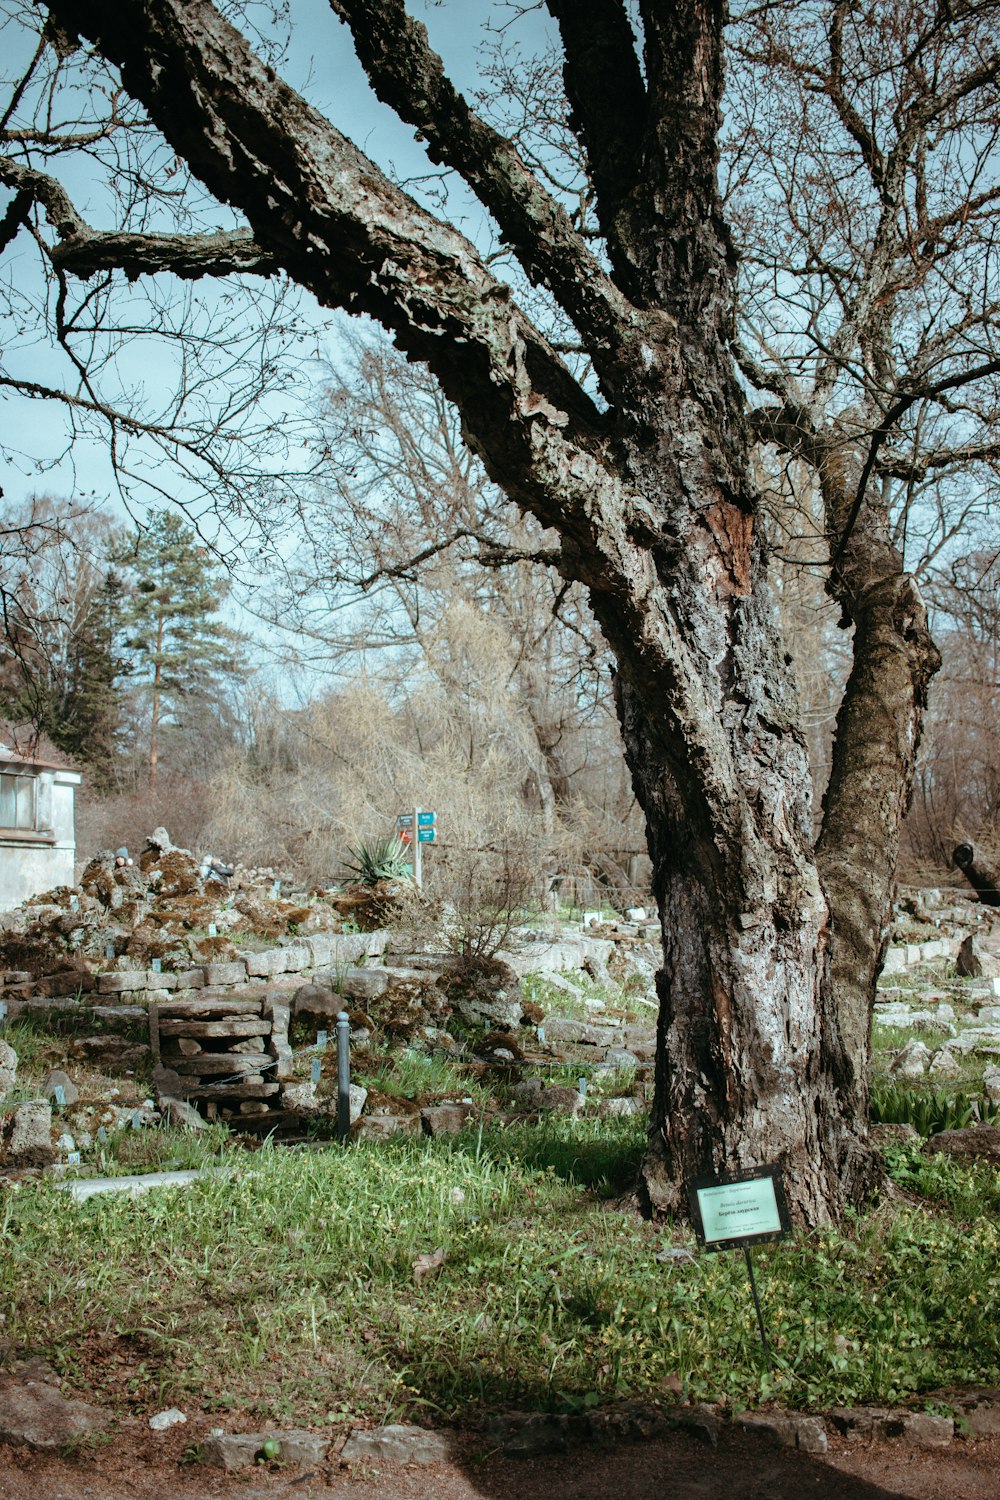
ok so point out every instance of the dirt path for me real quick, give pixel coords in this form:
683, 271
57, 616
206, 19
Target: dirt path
138, 1465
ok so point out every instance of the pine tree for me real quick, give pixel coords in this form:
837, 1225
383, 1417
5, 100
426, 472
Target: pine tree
90, 724
180, 649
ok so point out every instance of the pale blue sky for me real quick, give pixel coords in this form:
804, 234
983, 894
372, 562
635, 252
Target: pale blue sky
323, 66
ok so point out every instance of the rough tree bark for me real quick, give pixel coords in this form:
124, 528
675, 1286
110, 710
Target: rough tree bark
651, 496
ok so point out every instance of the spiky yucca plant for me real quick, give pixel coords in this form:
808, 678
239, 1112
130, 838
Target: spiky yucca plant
373, 860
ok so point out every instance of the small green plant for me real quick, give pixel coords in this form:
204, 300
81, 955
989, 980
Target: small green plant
928, 1112
373, 860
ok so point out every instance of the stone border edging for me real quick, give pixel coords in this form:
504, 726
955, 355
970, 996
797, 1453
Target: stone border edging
542, 1434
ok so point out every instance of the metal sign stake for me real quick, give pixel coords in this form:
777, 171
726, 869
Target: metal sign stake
760, 1316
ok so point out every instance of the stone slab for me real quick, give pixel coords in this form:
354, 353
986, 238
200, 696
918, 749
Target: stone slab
382, 1127
233, 1451
251, 1088
396, 1444
233, 1026
204, 1064
225, 973
352, 983
265, 963
35, 1414
207, 1008
445, 1119
70, 982
134, 1186
123, 983
190, 979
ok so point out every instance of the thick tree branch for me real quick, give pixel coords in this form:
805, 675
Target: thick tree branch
85, 251
409, 76
607, 98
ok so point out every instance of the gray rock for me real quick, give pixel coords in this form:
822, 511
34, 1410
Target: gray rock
625, 1422
298, 956
981, 1143
233, 1451
790, 1429
358, 1098
975, 961
857, 1423
561, 1101
179, 1112
382, 1127
363, 984
919, 1429
31, 1135
57, 1079
597, 969
991, 1084
354, 947
265, 964
318, 1002
912, 1061
565, 1029
893, 1135
564, 985
34, 1413
161, 1420
301, 1097
979, 1411
225, 973
485, 990
445, 1119
398, 1444
8, 1069
622, 1108
932, 1022
121, 983
566, 953
110, 1051
944, 1064
619, 1057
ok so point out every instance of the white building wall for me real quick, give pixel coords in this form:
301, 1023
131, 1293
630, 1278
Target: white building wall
38, 860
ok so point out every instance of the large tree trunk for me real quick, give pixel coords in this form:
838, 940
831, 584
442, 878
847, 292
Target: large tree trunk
751, 1063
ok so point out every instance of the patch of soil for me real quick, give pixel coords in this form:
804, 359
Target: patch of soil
136, 1464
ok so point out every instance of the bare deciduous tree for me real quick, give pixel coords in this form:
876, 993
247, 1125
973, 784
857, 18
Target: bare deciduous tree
642, 467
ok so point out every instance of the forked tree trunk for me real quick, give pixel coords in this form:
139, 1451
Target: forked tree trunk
751, 1065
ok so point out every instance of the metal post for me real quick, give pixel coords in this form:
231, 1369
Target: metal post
343, 1075
756, 1303
418, 851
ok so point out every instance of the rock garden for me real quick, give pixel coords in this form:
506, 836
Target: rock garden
473, 1249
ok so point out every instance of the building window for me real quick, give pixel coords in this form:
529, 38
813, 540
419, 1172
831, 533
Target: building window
18, 801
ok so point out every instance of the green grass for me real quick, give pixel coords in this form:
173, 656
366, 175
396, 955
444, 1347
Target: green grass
618, 999
285, 1290
415, 1075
